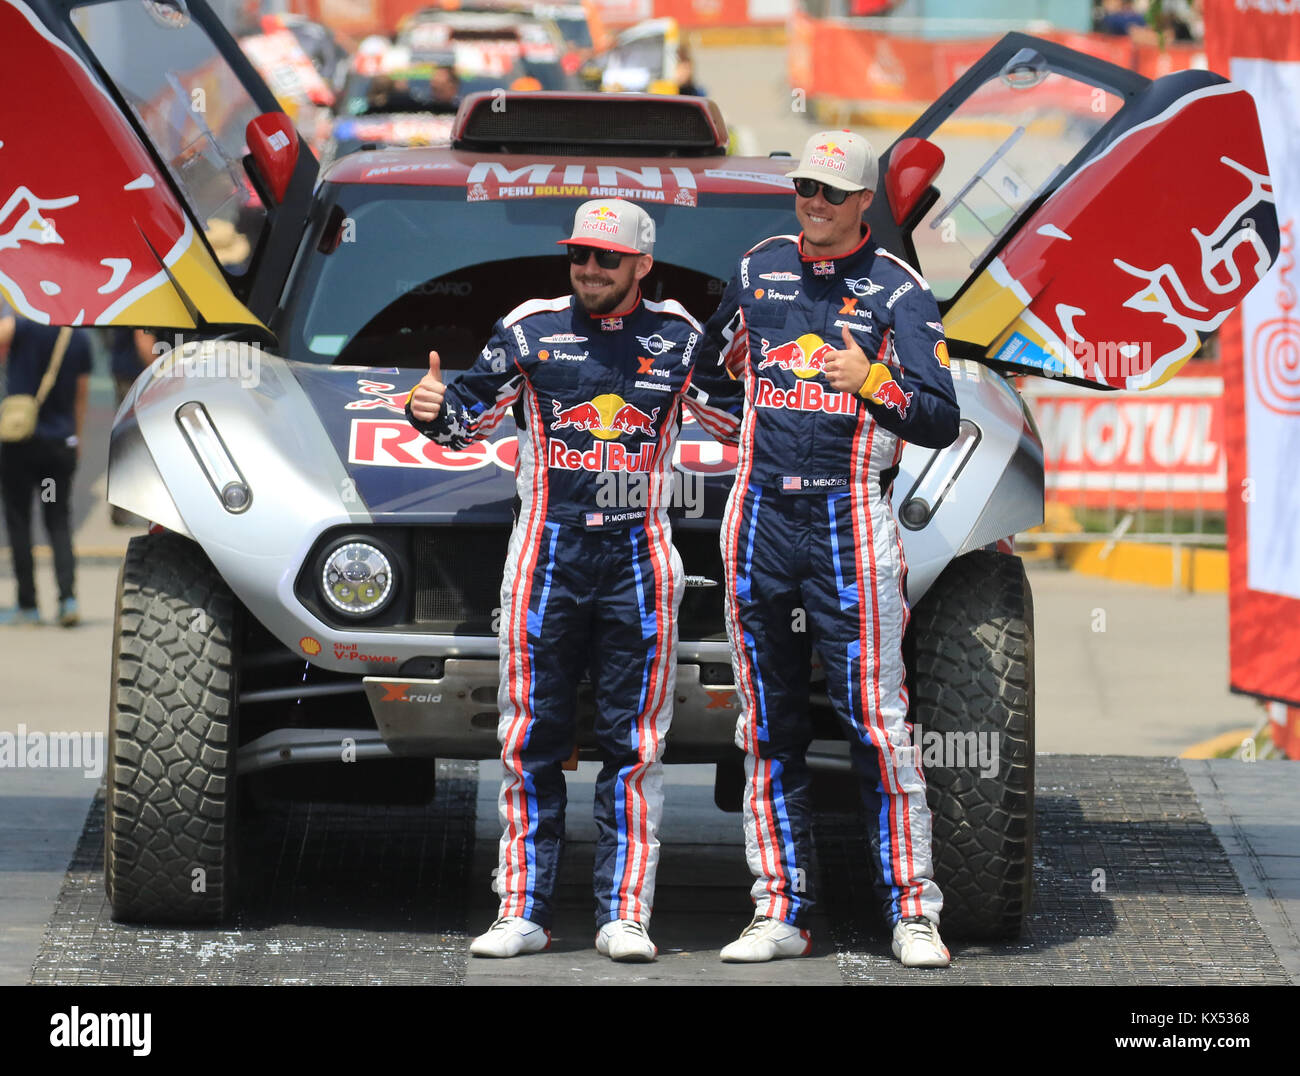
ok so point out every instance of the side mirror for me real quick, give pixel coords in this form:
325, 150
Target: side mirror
1025, 70
273, 145
914, 165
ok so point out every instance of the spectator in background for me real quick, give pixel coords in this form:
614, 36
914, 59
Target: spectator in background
444, 89
1183, 20
44, 464
684, 76
129, 352
1120, 18
385, 95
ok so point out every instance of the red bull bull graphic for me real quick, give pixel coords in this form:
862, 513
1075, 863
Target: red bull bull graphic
379, 394
631, 419
1099, 287
606, 416
804, 357
828, 155
890, 394
583, 416
93, 246
601, 219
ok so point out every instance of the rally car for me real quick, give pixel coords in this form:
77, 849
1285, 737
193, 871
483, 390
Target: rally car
319, 591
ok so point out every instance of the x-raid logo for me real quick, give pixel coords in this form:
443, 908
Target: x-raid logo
405, 693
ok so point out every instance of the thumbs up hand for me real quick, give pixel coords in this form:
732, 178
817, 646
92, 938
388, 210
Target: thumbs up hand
426, 397
846, 370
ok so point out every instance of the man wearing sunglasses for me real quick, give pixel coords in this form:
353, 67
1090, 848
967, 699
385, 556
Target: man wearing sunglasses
843, 357
599, 378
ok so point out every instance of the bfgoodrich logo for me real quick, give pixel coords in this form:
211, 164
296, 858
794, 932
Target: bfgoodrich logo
75, 1028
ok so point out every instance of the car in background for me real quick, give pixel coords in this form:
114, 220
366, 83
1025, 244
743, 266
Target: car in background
644, 58
579, 24
390, 101
489, 44
323, 48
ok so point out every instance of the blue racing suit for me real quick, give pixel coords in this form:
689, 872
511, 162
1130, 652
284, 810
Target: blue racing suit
812, 553
591, 579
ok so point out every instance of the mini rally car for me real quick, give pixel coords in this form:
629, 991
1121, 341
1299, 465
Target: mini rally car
321, 582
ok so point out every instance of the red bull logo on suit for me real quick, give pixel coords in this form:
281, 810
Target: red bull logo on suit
804, 357
606, 417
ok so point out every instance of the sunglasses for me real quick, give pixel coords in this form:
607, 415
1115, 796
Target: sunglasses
807, 188
606, 259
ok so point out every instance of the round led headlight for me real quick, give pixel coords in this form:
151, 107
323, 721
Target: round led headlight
357, 579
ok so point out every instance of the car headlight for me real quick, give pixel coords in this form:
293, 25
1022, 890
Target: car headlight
357, 579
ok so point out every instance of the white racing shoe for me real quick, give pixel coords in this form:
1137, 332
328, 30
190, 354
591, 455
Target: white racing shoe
918, 945
767, 939
511, 936
626, 940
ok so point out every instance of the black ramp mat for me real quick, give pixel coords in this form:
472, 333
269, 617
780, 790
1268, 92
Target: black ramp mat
331, 894
1172, 909
378, 895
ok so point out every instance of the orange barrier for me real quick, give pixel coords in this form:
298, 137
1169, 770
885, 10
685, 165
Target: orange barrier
833, 60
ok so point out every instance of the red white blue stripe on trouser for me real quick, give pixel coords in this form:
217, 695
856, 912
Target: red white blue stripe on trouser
838, 558
574, 599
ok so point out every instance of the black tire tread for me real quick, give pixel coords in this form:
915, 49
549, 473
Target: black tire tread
972, 669
170, 797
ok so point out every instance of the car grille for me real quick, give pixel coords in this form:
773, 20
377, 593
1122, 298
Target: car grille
458, 579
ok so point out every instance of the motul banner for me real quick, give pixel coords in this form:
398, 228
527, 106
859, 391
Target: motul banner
1256, 43
1154, 450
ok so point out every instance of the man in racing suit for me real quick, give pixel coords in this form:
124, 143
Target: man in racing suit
591, 578
844, 358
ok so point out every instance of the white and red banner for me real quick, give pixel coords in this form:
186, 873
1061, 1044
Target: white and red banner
1158, 449
1256, 43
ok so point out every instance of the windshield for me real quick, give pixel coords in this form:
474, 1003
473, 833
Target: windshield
575, 30
189, 103
427, 269
1002, 146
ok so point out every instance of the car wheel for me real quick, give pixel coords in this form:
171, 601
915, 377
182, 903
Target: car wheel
169, 814
971, 670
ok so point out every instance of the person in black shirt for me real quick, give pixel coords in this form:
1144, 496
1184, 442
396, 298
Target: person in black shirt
129, 352
44, 464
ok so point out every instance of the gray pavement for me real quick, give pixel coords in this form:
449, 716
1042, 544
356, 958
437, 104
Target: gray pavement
1252, 808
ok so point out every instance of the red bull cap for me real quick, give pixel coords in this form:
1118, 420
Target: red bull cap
613, 224
840, 158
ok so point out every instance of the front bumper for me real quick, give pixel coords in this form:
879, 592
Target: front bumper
456, 715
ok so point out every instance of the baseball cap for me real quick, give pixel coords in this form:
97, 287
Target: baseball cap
613, 224
840, 158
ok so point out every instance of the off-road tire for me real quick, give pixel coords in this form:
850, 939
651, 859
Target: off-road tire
970, 656
169, 812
